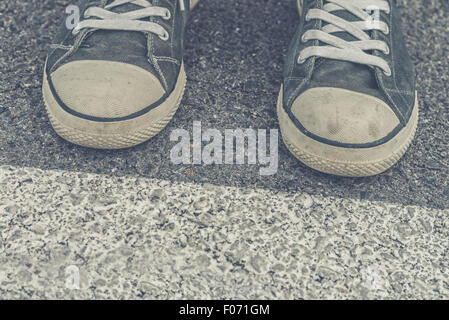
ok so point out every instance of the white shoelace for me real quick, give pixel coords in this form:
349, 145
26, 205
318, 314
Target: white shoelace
339, 49
128, 21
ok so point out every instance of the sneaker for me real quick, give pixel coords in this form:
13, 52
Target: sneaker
348, 105
117, 78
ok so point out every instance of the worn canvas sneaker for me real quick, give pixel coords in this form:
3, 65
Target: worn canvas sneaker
348, 104
117, 79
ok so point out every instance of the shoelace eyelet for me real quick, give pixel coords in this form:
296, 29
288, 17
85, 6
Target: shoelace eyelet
300, 60
167, 15
304, 39
75, 31
164, 36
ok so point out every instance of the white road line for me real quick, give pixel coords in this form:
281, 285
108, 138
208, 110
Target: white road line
131, 237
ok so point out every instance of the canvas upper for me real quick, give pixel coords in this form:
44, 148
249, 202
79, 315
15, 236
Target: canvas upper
110, 75
381, 102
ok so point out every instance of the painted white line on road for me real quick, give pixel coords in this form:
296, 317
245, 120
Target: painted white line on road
133, 237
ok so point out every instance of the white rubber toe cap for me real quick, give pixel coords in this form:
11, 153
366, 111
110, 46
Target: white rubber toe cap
106, 89
344, 116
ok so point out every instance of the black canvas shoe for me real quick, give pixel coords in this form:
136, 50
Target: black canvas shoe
348, 104
117, 79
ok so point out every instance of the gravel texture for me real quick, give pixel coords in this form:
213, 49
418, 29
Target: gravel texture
132, 237
234, 61
137, 226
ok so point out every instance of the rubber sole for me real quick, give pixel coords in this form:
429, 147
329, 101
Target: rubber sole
114, 135
349, 162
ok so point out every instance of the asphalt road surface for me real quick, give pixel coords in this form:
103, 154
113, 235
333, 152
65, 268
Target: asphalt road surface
137, 226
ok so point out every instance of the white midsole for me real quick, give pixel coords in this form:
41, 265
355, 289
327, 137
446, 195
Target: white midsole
311, 151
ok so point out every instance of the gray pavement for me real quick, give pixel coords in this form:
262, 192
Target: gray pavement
134, 237
234, 61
